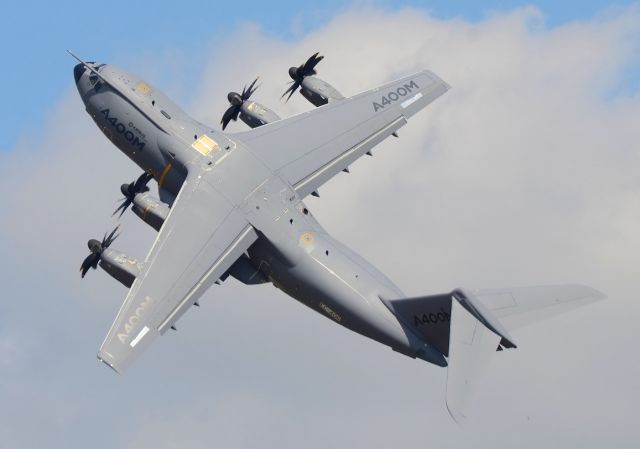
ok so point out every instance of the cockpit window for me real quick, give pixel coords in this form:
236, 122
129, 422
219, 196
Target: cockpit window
95, 81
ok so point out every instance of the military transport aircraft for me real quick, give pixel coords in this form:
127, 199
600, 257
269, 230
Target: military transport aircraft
233, 205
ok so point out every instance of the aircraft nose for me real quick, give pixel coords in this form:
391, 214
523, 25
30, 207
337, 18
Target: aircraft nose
78, 70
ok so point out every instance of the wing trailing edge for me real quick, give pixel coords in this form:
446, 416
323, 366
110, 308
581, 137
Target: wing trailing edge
308, 149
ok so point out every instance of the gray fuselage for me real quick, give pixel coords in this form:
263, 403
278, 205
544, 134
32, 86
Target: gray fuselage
299, 257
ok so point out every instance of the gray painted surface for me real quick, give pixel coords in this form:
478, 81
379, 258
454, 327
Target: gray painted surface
241, 196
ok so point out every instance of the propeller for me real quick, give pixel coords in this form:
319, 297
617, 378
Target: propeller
131, 190
97, 247
236, 101
298, 74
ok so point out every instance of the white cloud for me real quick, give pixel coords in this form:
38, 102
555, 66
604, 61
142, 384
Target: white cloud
525, 172
10, 352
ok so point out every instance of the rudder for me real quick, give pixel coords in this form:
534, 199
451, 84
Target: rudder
459, 326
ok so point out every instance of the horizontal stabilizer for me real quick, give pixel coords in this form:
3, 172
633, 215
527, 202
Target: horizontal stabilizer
520, 306
468, 327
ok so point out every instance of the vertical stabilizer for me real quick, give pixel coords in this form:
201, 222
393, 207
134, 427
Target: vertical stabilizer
468, 326
471, 346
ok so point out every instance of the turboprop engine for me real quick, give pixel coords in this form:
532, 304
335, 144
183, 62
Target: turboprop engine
317, 91
149, 208
252, 113
121, 267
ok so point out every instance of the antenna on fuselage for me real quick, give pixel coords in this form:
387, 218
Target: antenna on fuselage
119, 90
94, 71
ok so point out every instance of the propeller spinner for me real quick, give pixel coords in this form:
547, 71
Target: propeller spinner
97, 247
236, 101
298, 74
131, 190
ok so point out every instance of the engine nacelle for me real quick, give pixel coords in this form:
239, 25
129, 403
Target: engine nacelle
319, 92
254, 114
121, 267
150, 209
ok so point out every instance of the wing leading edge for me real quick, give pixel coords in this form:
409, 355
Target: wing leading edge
310, 148
202, 237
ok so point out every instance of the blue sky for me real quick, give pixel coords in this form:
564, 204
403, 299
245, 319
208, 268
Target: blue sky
34, 36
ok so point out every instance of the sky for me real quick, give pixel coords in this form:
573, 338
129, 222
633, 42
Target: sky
525, 173
35, 34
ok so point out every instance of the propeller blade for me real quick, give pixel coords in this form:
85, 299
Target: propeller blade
291, 90
230, 114
236, 101
107, 241
131, 190
250, 90
96, 247
122, 207
141, 183
91, 261
298, 74
309, 67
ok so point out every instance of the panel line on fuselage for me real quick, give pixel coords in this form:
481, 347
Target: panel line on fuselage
334, 274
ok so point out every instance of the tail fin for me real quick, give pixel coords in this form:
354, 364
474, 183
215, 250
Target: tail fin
471, 346
464, 326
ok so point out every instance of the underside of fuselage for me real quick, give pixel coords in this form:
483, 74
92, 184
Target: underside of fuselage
232, 205
306, 263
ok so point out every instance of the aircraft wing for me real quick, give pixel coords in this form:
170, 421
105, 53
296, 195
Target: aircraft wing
202, 237
310, 148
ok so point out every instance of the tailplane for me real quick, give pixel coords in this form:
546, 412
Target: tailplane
468, 327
